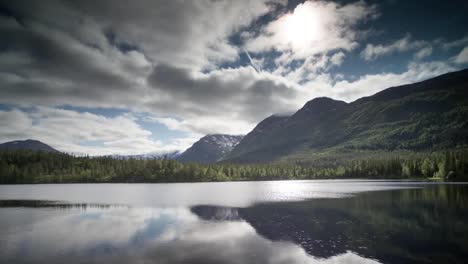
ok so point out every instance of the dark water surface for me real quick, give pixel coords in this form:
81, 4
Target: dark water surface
245, 222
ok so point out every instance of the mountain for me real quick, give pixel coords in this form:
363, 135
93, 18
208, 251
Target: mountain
167, 155
28, 144
426, 116
210, 148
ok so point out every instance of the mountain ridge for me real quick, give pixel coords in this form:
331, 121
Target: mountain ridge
156, 155
426, 115
28, 144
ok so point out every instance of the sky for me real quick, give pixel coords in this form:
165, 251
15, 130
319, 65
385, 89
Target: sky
153, 76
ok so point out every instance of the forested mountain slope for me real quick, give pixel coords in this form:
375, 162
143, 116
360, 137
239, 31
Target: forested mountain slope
430, 115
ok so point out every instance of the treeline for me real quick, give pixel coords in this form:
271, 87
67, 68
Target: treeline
42, 167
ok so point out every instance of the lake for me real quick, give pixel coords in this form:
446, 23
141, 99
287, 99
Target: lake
329, 221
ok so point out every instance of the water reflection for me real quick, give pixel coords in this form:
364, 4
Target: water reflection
53, 204
144, 235
405, 226
401, 226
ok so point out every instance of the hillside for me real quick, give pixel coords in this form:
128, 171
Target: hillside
426, 116
210, 148
28, 144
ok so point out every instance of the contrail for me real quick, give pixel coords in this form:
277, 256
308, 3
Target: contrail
257, 68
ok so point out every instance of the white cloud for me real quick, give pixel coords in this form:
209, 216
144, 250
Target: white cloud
337, 58
307, 70
372, 83
310, 67
456, 43
314, 27
183, 33
423, 53
13, 122
371, 52
83, 133
462, 57
205, 125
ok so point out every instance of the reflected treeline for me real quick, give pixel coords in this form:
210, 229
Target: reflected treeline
405, 226
55, 204
216, 213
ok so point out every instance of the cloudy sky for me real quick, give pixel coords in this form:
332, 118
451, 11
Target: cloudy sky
131, 77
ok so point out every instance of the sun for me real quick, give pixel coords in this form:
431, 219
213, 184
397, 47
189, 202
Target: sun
302, 27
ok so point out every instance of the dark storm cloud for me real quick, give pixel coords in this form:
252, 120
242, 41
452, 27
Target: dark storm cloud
242, 90
168, 77
97, 53
42, 64
58, 57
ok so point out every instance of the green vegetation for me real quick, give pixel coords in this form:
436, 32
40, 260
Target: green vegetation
42, 167
430, 116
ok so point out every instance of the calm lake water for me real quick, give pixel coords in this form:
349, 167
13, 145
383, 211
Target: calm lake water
351, 221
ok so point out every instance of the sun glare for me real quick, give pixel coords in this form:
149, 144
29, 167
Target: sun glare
302, 27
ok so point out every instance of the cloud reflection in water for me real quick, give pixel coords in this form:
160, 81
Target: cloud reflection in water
144, 235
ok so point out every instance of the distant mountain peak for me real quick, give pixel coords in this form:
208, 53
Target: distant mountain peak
153, 155
28, 144
210, 148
